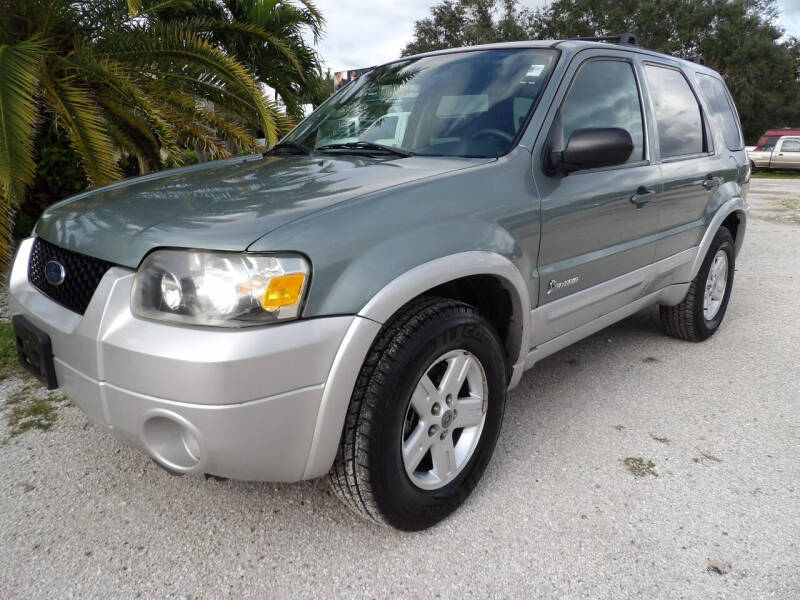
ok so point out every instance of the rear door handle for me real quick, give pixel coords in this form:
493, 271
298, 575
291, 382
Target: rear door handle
642, 196
710, 182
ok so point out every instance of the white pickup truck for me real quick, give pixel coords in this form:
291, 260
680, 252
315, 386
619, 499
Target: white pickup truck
781, 154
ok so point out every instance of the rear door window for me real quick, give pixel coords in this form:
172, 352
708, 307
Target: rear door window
678, 116
721, 111
604, 94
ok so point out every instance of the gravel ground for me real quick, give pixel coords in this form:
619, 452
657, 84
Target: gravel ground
558, 513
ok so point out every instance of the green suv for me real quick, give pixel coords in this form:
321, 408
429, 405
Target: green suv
358, 301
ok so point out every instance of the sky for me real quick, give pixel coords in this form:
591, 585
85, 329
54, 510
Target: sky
362, 33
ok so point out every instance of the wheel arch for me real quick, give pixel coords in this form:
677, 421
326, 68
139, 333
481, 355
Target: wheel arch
732, 214
470, 277
446, 275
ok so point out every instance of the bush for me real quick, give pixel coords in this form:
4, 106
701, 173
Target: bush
58, 175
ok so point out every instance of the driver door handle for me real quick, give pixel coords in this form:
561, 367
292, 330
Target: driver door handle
643, 196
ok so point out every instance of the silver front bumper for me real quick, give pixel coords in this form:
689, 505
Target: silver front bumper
236, 403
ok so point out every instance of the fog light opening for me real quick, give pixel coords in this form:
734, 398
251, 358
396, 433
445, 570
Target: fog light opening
172, 442
190, 443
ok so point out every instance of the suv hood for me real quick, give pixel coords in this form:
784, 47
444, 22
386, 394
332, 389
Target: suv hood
222, 205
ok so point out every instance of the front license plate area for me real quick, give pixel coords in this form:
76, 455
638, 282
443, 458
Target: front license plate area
34, 351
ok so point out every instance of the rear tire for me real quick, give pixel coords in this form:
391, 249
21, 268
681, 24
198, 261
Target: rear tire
700, 313
404, 419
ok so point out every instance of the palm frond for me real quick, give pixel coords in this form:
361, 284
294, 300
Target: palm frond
19, 64
272, 11
206, 27
134, 7
315, 12
81, 117
227, 129
194, 134
164, 5
130, 131
184, 47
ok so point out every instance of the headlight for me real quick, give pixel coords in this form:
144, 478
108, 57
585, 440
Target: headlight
224, 289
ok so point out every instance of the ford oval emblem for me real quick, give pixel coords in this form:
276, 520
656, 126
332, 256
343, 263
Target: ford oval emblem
54, 272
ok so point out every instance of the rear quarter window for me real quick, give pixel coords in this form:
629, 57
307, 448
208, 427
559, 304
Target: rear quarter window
721, 111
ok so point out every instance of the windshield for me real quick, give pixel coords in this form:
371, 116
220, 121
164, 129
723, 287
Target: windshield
470, 104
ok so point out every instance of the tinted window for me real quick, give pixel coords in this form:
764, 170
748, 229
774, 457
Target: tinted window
721, 110
678, 117
604, 94
770, 143
790, 146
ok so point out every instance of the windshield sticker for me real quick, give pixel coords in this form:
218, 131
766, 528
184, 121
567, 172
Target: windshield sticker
535, 70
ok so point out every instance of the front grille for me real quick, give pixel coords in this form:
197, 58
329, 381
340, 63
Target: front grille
83, 274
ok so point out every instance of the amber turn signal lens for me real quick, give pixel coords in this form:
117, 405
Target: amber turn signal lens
283, 290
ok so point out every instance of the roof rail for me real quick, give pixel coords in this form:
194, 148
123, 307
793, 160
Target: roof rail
625, 39
696, 59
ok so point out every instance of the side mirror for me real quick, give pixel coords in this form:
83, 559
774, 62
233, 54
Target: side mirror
591, 149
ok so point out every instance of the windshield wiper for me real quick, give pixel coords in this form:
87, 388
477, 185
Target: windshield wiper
289, 145
366, 146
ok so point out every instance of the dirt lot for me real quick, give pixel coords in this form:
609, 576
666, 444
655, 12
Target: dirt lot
630, 465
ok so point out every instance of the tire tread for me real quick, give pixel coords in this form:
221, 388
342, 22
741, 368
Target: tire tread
681, 321
350, 475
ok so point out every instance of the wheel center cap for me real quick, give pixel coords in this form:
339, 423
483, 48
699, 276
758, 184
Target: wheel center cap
447, 419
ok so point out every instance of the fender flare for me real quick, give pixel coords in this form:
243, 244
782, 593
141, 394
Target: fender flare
378, 310
734, 205
428, 275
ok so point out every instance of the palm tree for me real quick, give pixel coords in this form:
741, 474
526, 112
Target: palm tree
293, 81
116, 77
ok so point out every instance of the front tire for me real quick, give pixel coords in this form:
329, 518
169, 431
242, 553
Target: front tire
700, 313
424, 417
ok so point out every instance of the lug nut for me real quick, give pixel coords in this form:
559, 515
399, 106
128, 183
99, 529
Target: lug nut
449, 399
432, 430
436, 409
444, 435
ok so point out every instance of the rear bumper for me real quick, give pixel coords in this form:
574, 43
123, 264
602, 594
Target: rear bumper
235, 403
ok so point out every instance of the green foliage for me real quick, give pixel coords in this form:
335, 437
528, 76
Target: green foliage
456, 23
9, 365
776, 175
29, 411
142, 79
58, 175
738, 38
272, 38
18, 65
187, 157
319, 87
